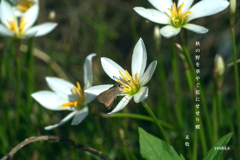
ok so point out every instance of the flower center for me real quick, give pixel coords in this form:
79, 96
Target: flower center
178, 18
17, 25
130, 85
80, 95
24, 5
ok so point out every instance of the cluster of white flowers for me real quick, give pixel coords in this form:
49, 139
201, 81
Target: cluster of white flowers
17, 21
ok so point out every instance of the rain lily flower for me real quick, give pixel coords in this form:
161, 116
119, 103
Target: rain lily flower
178, 16
22, 27
67, 96
21, 6
132, 85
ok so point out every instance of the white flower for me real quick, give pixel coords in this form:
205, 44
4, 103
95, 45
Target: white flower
67, 96
133, 86
176, 17
21, 6
22, 27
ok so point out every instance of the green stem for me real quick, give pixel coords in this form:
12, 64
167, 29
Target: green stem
178, 109
148, 109
137, 116
29, 80
18, 69
234, 48
215, 119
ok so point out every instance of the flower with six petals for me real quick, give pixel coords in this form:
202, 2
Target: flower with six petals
67, 96
177, 16
132, 85
22, 27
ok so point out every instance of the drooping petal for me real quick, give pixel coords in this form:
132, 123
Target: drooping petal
96, 90
153, 15
31, 16
141, 95
148, 73
42, 29
50, 100
186, 6
169, 31
207, 8
87, 70
139, 58
89, 98
161, 5
60, 86
5, 31
64, 120
80, 116
123, 103
6, 12
112, 68
196, 28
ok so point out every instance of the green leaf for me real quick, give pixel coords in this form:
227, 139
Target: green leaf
153, 148
214, 153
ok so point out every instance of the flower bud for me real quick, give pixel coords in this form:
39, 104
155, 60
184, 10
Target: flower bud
232, 6
52, 16
218, 65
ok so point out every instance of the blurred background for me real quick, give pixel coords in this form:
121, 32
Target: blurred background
111, 29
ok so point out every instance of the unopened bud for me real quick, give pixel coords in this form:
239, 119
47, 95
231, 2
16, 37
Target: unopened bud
232, 6
121, 134
218, 65
156, 34
178, 46
52, 16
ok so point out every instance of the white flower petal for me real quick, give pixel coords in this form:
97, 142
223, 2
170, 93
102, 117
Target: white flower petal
6, 12
60, 86
207, 8
42, 29
89, 98
169, 31
186, 6
31, 16
80, 116
148, 73
123, 103
139, 59
196, 28
112, 68
87, 70
96, 90
29, 35
153, 15
141, 95
161, 5
64, 120
49, 100
5, 31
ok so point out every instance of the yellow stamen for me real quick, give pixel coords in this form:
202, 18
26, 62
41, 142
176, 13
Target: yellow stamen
79, 93
129, 84
180, 9
185, 14
17, 28
24, 5
136, 78
22, 24
125, 79
129, 76
177, 15
122, 84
